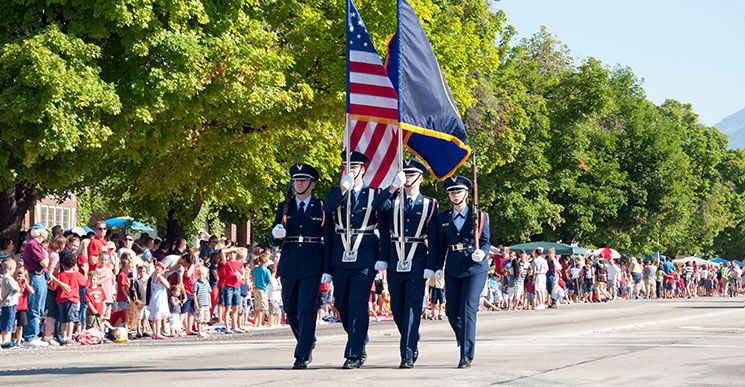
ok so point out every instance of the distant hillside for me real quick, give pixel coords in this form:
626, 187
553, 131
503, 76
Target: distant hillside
734, 126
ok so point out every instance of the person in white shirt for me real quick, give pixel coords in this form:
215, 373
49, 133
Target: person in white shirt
540, 268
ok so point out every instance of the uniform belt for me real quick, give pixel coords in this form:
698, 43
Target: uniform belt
302, 239
355, 232
408, 239
459, 247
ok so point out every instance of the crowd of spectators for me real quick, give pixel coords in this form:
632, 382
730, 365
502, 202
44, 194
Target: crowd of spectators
58, 286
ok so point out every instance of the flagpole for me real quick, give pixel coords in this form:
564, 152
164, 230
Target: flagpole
401, 248
476, 211
347, 144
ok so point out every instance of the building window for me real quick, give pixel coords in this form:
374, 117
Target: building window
54, 216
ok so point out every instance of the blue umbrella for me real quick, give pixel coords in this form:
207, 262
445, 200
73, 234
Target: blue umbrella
127, 222
81, 230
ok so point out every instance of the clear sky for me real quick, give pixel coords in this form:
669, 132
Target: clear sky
690, 51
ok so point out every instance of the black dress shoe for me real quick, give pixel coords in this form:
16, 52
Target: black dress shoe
363, 358
406, 363
351, 363
300, 363
416, 356
464, 363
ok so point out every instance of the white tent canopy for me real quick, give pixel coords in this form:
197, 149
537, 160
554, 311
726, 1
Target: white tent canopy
696, 260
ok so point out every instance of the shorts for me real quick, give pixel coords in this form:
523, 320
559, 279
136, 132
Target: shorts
322, 299
68, 312
21, 318
121, 305
7, 317
203, 314
514, 293
540, 283
378, 286
221, 295
231, 296
588, 286
51, 304
107, 312
436, 295
637, 277
93, 321
577, 284
530, 296
260, 300
670, 286
144, 313
188, 306
650, 284
245, 306
274, 307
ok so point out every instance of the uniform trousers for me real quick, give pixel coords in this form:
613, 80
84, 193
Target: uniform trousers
461, 308
352, 291
300, 300
407, 295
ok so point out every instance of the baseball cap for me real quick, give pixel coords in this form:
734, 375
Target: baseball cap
39, 226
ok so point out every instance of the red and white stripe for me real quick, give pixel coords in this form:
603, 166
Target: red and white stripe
373, 117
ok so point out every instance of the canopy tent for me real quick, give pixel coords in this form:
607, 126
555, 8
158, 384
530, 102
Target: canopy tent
719, 260
607, 253
560, 248
696, 260
739, 263
127, 222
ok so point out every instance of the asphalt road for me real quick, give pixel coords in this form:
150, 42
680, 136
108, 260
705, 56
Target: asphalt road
629, 343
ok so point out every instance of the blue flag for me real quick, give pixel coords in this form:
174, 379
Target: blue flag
433, 128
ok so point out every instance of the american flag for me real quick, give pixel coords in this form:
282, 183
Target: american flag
372, 104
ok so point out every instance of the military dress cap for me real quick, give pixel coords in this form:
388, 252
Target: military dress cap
412, 166
457, 183
303, 171
357, 158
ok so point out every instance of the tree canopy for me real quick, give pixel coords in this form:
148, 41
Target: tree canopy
167, 109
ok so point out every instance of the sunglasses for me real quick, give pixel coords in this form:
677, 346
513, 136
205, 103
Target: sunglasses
128, 239
100, 228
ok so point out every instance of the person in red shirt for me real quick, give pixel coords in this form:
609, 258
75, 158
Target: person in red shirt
21, 277
69, 301
98, 243
231, 272
94, 298
122, 285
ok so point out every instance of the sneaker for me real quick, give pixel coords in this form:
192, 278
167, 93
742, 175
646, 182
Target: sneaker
36, 343
9, 344
203, 335
51, 342
70, 342
228, 331
238, 331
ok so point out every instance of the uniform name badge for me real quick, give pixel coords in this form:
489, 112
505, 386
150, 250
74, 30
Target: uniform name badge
403, 266
351, 257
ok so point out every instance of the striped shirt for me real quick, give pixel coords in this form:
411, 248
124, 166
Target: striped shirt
202, 292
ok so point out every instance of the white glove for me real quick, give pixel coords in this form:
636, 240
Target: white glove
279, 232
439, 274
326, 278
428, 274
347, 181
478, 255
381, 265
399, 180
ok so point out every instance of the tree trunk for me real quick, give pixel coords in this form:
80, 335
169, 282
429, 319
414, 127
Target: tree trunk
175, 225
174, 228
15, 201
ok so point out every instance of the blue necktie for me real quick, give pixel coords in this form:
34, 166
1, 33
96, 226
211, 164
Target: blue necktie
301, 209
